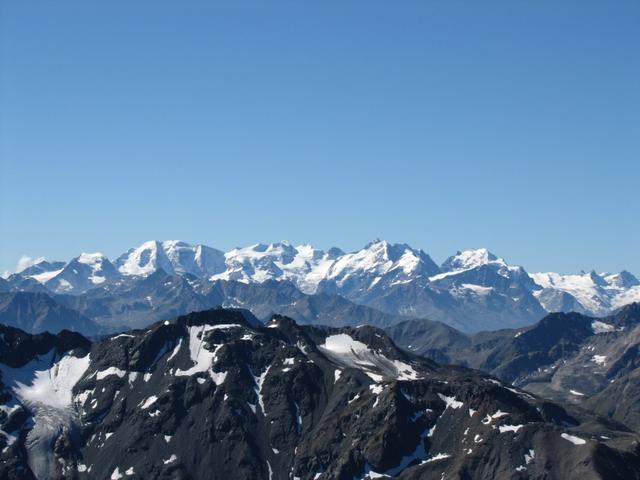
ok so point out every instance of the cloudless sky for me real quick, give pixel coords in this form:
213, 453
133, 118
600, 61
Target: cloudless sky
511, 124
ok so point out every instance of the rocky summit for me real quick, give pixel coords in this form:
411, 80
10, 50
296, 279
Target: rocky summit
219, 395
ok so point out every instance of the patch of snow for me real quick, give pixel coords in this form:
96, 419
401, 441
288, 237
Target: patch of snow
499, 414
44, 381
450, 401
573, 439
175, 350
529, 457
171, 459
348, 352
600, 327
223, 326
82, 397
123, 335
376, 378
218, 377
376, 389
437, 456
46, 276
102, 374
148, 402
509, 428
116, 475
298, 418
259, 381
201, 357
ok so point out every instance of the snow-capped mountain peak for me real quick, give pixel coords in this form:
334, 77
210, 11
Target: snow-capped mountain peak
198, 260
42, 270
304, 265
172, 256
86, 271
596, 294
91, 258
145, 259
623, 279
380, 257
471, 285
379, 264
467, 259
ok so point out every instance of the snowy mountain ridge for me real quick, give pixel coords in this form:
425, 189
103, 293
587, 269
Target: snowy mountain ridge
394, 278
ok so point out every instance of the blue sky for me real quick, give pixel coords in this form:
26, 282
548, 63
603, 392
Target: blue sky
513, 125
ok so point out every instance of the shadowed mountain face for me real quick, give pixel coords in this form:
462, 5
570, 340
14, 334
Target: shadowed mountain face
37, 312
121, 306
218, 395
160, 296
566, 357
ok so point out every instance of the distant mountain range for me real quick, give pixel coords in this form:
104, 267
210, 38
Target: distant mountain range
38, 312
472, 290
217, 394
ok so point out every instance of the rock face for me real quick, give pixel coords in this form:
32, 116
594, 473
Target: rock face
567, 357
218, 395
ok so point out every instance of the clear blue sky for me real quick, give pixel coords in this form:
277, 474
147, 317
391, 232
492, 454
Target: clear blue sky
513, 125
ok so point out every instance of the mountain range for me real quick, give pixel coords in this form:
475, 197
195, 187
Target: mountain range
473, 290
567, 357
218, 394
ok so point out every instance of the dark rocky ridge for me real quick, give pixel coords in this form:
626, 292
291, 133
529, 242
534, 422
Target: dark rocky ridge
217, 395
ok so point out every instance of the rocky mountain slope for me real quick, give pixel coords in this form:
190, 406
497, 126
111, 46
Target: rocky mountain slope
571, 358
472, 290
218, 395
